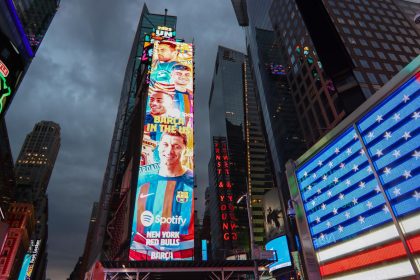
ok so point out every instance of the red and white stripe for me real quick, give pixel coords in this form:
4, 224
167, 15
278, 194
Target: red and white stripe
378, 254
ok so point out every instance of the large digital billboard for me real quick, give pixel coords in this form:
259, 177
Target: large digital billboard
163, 220
281, 247
361, 191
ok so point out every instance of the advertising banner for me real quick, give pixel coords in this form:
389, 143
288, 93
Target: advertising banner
29, 260
163, 220
274, 217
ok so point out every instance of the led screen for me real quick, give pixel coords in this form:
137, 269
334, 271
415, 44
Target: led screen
348, 186
279, 245
163, 220
29, 260
274, 217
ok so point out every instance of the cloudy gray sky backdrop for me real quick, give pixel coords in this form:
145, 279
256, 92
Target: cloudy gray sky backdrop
75, 80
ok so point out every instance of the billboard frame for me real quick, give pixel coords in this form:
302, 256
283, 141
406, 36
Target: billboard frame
310, 260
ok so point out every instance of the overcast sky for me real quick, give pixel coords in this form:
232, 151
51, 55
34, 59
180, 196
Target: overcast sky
75, 80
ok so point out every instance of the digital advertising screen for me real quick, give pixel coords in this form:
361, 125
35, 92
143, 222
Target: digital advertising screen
163, 220
281, 247
274, 216
352, 188
29, 260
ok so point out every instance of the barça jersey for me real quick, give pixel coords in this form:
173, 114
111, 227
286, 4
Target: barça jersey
163, 217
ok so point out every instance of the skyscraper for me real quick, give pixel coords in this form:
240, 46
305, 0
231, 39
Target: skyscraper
338, 53
118, 160
268, 69
227, 166
258, 163
33, 170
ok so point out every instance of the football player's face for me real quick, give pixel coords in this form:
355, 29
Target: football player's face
160, 103
171, 149
181, 77
166, 53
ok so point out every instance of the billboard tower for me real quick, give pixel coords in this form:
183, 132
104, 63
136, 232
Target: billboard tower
163, 219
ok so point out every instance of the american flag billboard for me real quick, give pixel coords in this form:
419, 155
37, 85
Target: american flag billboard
360, 192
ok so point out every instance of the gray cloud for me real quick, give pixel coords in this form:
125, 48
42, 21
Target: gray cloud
76, 79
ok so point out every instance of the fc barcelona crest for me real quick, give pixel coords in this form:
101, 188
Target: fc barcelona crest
182, 197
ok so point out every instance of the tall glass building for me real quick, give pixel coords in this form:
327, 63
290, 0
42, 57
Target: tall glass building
226, 109
339, 53
117, 164
284, 138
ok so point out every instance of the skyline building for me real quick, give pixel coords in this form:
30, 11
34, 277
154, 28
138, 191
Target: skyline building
338, 53
118, 160
258, 163
281, 127
33, 170
227, 166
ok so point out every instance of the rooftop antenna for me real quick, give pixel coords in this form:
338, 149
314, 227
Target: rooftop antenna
164, 19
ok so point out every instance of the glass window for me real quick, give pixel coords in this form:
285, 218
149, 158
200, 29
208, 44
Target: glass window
392, 56
346, 30
359, 77
369, 53
357, 51
383, 78
372, 78
396, 47
404, 58
377, 65
363, 42
389, 67
374, 43
352, 40
364, 63
357, 32
385, 45
381, 55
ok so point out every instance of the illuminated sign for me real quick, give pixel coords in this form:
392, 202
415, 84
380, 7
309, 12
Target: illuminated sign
224, 190
273, 214
163, 222
159, 34
348, 186
29, 260
281, 247
11, 69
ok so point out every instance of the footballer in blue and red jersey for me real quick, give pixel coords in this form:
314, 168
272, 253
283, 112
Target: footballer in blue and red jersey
163, 224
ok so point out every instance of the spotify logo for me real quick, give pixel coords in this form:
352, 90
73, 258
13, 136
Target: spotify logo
147, 218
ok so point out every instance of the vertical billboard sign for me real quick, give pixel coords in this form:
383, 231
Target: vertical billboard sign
163, 220
224, 191
274, 217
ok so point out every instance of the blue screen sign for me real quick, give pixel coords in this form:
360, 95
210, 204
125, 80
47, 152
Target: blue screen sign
279, 245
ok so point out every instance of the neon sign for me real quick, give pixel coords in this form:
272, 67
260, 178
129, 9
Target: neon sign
225, 194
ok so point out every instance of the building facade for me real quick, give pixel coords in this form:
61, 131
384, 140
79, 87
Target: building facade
338, 53
33, 170
279, 118
21, 220
227, 167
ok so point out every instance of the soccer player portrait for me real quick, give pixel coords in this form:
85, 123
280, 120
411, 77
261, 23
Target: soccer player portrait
166, 59
181, 77
164, 227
